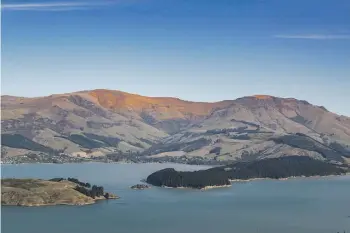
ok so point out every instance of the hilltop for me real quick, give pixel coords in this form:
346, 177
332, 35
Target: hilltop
115, 125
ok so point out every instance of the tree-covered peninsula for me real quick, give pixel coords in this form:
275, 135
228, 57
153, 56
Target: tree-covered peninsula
274, 168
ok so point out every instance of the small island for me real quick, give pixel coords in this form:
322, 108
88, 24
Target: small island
222, 176
140, 186
57, 191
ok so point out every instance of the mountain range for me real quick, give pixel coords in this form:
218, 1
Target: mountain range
100, 122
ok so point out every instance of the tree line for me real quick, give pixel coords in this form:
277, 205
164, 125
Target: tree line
84, 188
95, 191
274, 168
74, 180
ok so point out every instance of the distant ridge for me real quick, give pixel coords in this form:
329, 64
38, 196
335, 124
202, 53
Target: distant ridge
94, 123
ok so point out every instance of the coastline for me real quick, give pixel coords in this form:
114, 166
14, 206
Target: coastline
94, 201
250, 180
208, 165
205, 188
288, 178
114, 162
216, 186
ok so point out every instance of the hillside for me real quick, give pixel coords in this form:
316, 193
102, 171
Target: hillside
37, 192
92, 124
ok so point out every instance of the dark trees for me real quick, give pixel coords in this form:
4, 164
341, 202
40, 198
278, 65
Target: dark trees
274, 168
95, 191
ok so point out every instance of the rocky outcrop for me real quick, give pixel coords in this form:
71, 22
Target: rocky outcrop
140, 186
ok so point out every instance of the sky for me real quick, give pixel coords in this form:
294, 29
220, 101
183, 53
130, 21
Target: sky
199, 50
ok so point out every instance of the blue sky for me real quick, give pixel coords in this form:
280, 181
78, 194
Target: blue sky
192, 49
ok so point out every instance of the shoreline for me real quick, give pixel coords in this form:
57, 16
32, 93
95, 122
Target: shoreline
206, 165
65, 204
251, 180
288, 178
205, 188
113, 162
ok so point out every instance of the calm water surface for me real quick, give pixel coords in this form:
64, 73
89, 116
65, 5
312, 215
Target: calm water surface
319, 205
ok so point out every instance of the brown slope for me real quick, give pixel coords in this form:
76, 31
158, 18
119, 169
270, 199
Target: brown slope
163, 108
266, 118
309, 118
50, 120
282, 115
139, 120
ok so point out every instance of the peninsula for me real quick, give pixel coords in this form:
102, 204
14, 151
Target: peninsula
274, 168
57, 191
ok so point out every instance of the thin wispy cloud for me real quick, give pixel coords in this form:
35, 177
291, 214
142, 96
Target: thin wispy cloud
314, 37
55, 6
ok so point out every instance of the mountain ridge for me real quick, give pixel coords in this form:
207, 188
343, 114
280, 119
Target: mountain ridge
257, 96
94, 123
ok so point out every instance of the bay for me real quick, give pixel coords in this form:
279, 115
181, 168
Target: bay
305, 205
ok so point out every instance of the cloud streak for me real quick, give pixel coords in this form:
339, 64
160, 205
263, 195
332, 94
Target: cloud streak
55, 6
314, 37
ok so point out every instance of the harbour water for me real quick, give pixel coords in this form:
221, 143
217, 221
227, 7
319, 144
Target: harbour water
305, 205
